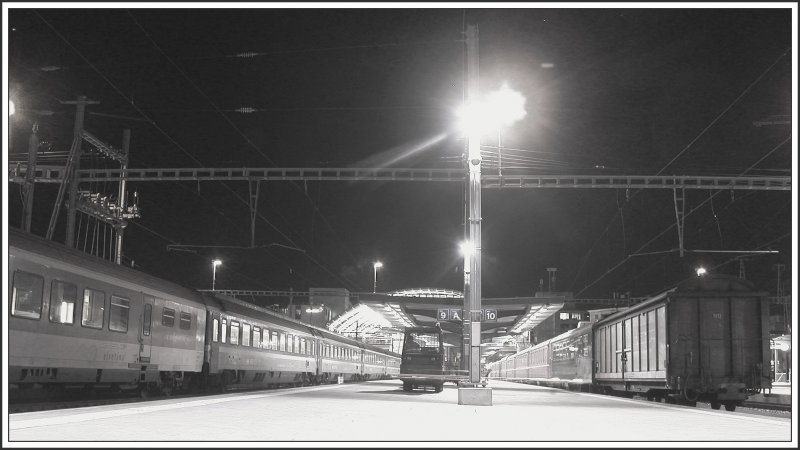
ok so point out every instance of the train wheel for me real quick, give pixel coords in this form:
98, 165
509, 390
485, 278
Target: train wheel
730, 406
715, 405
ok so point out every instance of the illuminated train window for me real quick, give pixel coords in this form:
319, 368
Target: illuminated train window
234, 332
256, 337
63, 297
246, 334
26, 298
118, 314
94, 308
216, 330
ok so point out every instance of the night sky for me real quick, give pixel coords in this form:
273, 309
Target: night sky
636, 91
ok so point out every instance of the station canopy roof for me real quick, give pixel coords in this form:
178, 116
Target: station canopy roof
397, 310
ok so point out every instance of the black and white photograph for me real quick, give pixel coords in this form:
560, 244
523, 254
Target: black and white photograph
399, 224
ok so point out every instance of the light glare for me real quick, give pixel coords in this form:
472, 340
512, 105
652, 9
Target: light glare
501, 108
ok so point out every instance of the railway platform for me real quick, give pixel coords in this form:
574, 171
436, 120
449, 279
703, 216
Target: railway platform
780, 394
371, 413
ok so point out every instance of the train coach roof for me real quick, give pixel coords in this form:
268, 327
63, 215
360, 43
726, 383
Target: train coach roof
237, 306
709, 285
85, 262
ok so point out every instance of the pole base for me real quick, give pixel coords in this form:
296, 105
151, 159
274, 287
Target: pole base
478, 396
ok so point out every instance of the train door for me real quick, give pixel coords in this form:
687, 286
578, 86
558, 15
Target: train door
317, 342
146, 331
626, 356
213, 338
621, 347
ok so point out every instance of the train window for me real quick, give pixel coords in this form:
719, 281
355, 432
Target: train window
168, 317
215, 337
94, 308
147, 319
282, 342
273, 343
302, 346
62, 302
234, 332
296, 345
289, 343
118, 314
246, 334
26, 299
265, 339
186, 321
256, 337
224, 330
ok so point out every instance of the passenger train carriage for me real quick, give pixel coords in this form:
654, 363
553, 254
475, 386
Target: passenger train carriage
705, 340
76, 320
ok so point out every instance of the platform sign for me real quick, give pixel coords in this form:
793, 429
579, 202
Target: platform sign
455, 314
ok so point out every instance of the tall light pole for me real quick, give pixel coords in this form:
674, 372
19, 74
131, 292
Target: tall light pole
498, 109
375, 266
214, 265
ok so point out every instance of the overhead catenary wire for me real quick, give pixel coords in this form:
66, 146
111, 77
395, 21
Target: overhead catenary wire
143, 114
670, 227
681, 152
252, 145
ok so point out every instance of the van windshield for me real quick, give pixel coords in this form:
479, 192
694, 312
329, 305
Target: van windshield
418, 342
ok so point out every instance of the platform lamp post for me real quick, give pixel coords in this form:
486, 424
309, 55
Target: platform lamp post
479, 116
214, 265
375, 266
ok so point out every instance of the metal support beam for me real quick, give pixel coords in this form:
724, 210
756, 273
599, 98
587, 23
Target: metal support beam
680, 200
472, 304
75, 154
33, 148
253, 186
54, 174
123, 194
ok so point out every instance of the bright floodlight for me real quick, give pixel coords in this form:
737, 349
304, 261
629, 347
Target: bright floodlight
701, 271
216, 262
11, 108
501, 108
506, 106
377, 264
467, 248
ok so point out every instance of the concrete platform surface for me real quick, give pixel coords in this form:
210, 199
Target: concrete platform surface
781, 393
368, 414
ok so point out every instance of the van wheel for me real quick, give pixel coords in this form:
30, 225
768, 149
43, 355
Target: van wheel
715, 405
407, 386
438, 387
